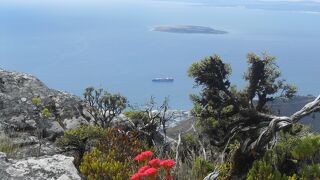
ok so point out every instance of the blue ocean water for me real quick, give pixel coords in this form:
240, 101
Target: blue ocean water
109, 44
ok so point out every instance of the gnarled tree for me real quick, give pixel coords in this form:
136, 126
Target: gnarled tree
151, 120
227, 115
104, 106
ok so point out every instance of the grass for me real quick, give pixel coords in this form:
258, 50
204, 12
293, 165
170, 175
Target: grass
7, 146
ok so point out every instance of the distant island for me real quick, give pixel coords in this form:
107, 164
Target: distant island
188, 29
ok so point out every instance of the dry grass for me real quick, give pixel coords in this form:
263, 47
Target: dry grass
7, 146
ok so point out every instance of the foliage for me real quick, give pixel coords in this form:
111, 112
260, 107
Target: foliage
308, 148
310, 171
36, 100
112, 158
46, 113
201, 168
104, 106
77, 139
291, 158
150, 119
226, 114
41, 116
189, 149
264, 171
99, 165
137, 117
7, 146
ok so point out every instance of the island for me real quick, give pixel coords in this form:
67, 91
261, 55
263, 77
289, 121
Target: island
189, 29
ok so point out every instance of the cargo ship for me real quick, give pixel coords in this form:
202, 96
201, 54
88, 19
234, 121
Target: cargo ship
162, 80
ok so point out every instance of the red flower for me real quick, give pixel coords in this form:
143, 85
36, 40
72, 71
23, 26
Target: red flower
151, 172
139, 157
147, 154
137, 176
167, 163
143, 169
144, 156
155, 163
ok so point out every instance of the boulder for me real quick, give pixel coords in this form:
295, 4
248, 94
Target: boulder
19, 118
16, 108
57, 167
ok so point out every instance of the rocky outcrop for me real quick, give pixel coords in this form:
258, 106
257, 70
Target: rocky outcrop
18, 115
58, 167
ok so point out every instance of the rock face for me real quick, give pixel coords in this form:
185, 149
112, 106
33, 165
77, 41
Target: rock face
58, 167
18, 115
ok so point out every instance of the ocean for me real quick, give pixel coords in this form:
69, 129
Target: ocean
109, 44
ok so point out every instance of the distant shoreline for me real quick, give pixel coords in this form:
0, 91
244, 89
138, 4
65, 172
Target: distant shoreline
188, 29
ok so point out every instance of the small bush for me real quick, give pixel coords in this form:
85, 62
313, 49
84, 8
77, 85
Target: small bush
100, 165
261, 170
310, 172
78, 139
113, 156
7, 146
308, 148
201, 168
292, 158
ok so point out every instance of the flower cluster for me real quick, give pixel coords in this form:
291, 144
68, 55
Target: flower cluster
152, 167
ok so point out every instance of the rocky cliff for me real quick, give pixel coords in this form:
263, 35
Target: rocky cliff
18, 128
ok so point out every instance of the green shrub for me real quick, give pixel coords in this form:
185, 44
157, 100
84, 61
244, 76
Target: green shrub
310, 172
201, 168
292, 158
113, 156
261, 170
307, 148
100, 165
36, 100
135, 115
78, 138
7, 146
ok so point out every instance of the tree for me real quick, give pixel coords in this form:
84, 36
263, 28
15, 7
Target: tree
104, 106
227, 115
150, 119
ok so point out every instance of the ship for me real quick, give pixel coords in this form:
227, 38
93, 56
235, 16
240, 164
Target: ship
162, 80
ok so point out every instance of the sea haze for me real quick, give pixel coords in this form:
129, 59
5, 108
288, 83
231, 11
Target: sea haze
110, 44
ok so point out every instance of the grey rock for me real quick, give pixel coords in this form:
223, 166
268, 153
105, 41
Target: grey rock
74, 122
40, 168
54, 129
19, 119
17, 91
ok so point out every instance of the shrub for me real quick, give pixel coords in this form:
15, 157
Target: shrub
201, 168
7, 146
112, 158
308, 148
137, 117
100, 165
292, 158
77, 139
310, 171
104, 106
